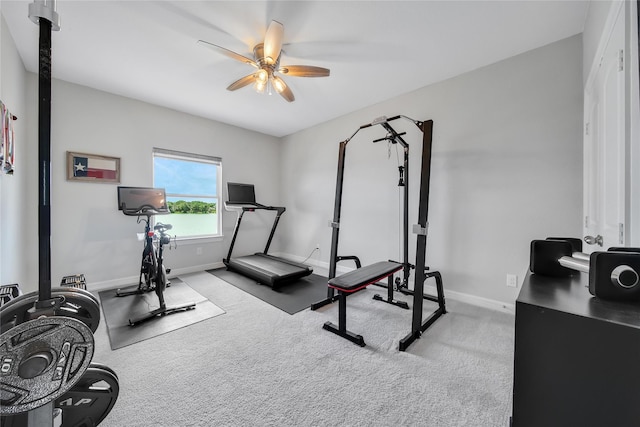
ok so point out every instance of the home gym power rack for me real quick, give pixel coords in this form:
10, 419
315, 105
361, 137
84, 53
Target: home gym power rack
363, 276
46, 340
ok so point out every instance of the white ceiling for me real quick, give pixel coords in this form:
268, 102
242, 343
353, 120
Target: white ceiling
375, 49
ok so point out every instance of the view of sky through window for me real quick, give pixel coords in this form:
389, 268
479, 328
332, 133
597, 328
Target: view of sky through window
185, 177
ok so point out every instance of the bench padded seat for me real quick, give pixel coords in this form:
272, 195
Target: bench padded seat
362, 277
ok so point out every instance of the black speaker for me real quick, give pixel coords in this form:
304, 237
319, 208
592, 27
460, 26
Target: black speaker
615, 275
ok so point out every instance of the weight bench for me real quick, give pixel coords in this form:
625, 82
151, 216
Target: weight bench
354, 281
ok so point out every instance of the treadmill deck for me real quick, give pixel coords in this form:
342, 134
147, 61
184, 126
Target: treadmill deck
268, 269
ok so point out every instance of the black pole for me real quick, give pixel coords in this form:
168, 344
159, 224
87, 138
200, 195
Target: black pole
44, 161
235, 234
280, 211
423, 214
335, 224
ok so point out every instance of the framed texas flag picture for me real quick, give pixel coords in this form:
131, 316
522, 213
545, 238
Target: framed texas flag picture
92, 167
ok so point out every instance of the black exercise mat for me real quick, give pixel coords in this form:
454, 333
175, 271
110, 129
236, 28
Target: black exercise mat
290, 297
118, 310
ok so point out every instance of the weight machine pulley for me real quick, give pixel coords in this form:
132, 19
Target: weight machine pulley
46, 337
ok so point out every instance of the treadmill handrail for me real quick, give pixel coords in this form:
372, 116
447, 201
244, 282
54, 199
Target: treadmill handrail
280, 209
244, 208
252, 207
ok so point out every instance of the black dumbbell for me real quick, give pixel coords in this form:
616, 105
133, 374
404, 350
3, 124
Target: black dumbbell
613, 274
545, 255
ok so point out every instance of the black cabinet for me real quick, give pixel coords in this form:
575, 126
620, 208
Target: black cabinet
577, 357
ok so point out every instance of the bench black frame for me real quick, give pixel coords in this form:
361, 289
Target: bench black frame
418, 326
352, 282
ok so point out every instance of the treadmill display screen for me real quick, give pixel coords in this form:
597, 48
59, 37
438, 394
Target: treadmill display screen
241, 193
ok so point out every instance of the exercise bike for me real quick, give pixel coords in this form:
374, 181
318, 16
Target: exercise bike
159, 273
153, 274
149, 264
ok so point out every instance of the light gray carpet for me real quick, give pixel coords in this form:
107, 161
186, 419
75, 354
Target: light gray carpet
258, 366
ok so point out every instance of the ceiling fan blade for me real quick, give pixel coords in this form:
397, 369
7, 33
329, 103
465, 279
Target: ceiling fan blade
304, 71
229, 53
240, 83
273, 42
281, 87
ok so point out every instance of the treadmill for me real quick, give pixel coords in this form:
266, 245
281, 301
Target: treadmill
262, 267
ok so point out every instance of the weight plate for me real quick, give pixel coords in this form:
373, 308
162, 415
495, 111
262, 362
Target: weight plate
86, 404
89, 401
75, 303
40, 360
78, 290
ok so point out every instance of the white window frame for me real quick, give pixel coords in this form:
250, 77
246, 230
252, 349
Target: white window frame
191, 157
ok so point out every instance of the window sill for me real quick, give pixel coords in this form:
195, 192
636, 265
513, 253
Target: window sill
198, 240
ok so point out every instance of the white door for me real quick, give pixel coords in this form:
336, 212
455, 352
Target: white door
604, 151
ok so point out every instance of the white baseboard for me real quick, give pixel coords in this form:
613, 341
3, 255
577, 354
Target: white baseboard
128, 281
449, 294
475, 300
323, 267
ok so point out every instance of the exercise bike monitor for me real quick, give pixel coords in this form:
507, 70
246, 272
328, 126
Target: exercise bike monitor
142, 200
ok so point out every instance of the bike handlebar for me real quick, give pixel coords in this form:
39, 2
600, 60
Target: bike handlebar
144, 210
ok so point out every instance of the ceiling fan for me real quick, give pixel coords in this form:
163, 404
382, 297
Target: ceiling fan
266, 60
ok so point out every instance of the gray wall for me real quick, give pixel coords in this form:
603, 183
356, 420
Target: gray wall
89, 234
506, 169
507, 141
14, 228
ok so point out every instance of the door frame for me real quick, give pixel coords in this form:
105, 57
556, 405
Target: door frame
631, 220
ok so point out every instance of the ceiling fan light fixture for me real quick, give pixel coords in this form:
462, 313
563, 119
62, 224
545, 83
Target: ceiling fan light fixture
260, 87
278, 84
262, 76
262, 80
266, 59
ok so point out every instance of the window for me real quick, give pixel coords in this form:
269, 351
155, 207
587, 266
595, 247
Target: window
192, 183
